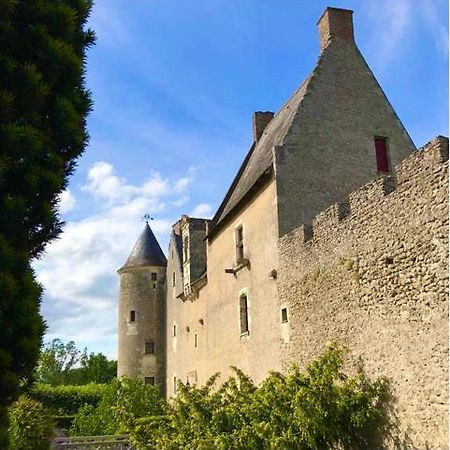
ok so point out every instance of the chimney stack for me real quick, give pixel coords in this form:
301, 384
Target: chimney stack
335, 24
260, 121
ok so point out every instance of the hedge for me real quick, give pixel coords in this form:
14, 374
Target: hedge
67, 400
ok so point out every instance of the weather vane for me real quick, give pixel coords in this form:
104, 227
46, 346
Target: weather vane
147, 217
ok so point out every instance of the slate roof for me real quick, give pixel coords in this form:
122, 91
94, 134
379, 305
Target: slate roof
146, 251
260, 155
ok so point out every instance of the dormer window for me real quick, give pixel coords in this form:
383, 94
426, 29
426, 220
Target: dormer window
186, 248
239, 239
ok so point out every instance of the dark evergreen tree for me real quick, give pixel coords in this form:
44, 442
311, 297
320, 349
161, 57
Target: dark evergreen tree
43, 109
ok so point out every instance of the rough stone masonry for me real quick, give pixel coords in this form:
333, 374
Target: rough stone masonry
373, 276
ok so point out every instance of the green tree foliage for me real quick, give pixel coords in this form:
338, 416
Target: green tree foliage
43, 109
318, 409
124, 401
61, 363
30, 425
56, 361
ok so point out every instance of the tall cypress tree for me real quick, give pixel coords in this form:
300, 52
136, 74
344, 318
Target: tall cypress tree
43, 110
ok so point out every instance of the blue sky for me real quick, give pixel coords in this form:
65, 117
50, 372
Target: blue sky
174, 85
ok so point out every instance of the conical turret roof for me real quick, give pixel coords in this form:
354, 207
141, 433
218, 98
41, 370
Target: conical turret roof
146, 251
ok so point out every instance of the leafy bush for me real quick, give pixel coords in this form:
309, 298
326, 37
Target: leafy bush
30, 425
67, 400
123, 402
319, 409
97, 420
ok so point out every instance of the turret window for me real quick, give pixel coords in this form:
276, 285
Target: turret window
132, 315
149, 347
154, 276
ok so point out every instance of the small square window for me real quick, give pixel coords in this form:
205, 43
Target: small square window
149, 380
284, 315
133, 316
154, 276
149, 347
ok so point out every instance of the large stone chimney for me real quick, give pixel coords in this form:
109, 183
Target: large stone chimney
335, 24
260, 121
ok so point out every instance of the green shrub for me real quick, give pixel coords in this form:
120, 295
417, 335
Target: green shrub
320, 408
124, 401
97, 420
31, 426
67, 400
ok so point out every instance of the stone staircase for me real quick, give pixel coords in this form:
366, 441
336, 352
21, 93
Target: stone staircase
115, 442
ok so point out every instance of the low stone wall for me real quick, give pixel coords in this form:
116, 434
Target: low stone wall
372, 273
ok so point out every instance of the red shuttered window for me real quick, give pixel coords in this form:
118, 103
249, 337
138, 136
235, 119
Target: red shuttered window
382, 155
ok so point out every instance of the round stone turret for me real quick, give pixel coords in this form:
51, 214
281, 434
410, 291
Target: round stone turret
142, 312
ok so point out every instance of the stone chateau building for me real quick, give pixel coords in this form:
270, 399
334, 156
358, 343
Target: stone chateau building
335, 228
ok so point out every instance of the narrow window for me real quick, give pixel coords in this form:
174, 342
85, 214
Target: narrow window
174, 330
239, 237
133, 316
173, 279
154, 276
284, 316
149, 380
243, 307
149, 347
195, 340
381, 154
174, 385
186, 248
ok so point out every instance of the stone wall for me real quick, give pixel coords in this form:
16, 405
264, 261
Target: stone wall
372, 274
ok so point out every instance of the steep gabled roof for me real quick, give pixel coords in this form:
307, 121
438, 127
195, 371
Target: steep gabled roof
260, 156
146, 251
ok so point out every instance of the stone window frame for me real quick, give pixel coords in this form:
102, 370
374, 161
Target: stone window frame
239, 242
185, 248
132, 316
149, 347
244, 331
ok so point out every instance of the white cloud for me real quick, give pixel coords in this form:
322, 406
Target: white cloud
437, 23
78, 271
392, 21
66, 201
202, 210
